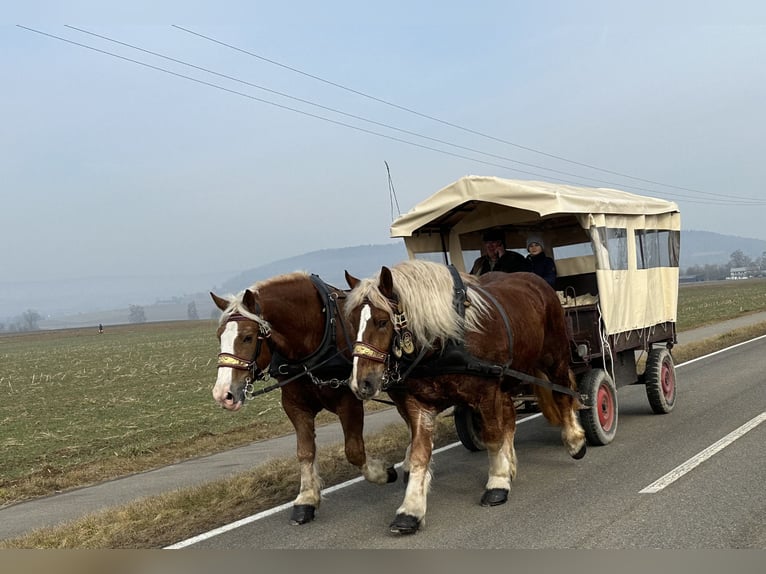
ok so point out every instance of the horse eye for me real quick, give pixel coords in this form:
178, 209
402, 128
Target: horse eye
247, 339
382, 323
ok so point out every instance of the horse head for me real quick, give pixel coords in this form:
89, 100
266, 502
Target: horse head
243, 355
371, 307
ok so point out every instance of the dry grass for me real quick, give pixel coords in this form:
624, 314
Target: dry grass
162, 520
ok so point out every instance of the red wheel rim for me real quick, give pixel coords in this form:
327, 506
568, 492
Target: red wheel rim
605, 406
667, 382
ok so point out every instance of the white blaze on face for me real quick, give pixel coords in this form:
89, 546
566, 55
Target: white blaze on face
364, 318
223, 382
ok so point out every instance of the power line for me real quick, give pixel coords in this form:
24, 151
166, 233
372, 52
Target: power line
447, 123
381, 124
336, 122
349, 115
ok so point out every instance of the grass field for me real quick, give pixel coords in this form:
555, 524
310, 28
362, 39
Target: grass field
77, 407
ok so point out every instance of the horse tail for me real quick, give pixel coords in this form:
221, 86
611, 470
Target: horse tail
550, 407
545, 401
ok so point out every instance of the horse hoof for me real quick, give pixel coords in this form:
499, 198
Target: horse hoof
404, 524
494, 497
302, 513
391, 472
580, 453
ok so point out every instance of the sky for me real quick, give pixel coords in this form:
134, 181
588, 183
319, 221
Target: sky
274, 141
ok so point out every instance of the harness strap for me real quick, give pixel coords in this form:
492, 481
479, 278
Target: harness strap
504, 316
474, 365
281, 366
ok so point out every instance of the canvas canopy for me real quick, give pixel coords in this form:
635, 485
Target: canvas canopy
634, 239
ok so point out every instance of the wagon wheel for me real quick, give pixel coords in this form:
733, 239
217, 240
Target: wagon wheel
599, 419
468, 427
660, 379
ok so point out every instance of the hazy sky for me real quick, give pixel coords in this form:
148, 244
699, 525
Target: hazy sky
109, 167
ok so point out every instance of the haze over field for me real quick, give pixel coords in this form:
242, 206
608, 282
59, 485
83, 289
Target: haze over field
173, 141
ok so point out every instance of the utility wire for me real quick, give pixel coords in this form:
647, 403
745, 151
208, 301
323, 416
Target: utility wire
445, 122
356, 117
381, 124
336, 122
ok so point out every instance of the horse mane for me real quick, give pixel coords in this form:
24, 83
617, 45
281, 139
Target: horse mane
426, 290
237, 306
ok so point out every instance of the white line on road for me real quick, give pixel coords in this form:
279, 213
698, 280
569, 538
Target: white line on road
276, 509
271, 511
701, 457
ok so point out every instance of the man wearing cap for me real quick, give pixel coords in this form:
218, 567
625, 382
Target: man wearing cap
496, 257
540, 263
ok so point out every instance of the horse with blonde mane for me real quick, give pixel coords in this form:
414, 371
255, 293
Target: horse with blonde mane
286, 328
433, 338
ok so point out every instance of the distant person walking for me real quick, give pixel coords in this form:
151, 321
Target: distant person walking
100, 329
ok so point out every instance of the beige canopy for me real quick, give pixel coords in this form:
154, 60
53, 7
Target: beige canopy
634, 239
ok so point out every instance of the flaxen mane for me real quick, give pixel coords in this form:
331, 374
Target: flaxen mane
426, 290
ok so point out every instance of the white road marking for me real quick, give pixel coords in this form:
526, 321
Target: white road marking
275, 510
701, 457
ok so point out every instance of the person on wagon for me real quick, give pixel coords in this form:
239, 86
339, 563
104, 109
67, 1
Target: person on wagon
496, 257
540, 263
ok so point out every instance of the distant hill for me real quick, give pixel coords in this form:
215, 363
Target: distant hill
79, 306
329, 264
707, 248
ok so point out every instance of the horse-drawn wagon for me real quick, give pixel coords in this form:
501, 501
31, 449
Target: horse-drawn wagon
616, 255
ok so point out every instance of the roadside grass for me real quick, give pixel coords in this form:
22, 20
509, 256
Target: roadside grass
162, 520
78, 408
159, 521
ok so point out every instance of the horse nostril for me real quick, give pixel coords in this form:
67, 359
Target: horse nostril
229, 397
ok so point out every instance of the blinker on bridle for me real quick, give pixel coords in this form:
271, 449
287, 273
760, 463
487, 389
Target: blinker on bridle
402, 342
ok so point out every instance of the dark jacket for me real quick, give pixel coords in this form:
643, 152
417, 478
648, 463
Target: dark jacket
510, 262
543, 266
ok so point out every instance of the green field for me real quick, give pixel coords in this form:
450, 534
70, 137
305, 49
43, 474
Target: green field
77, 407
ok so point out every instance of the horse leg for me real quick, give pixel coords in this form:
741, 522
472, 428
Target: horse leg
351, 415
309, 495
499, 428
410, 515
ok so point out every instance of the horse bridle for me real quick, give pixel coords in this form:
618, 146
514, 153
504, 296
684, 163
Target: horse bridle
255, 374
401, 343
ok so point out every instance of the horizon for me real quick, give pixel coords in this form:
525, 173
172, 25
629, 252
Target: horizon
138, 293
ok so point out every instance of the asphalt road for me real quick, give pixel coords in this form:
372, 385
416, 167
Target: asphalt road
595, 503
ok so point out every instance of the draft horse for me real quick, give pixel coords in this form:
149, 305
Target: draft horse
434, 338
286, 328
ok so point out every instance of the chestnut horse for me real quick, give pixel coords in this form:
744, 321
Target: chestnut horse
286, 327
455, 337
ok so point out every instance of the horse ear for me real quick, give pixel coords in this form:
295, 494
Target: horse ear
351, 280
386, 282
220, 302
248, 300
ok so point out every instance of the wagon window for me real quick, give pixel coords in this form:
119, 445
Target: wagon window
657, 248
615, 241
